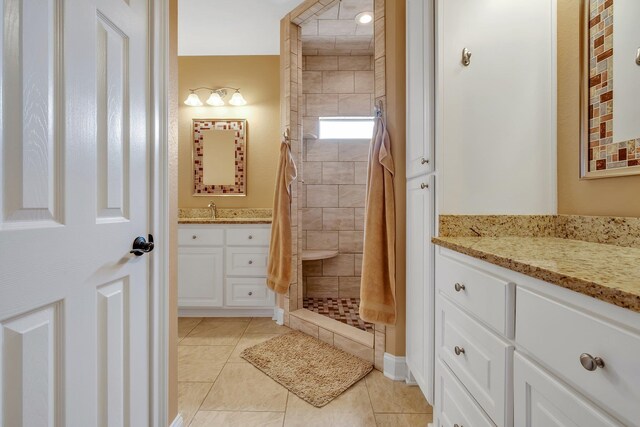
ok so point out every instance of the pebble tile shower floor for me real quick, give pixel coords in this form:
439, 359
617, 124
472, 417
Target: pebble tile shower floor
344, 310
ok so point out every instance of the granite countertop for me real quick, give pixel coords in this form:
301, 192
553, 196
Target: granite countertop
607, 272
225, 216
224, 221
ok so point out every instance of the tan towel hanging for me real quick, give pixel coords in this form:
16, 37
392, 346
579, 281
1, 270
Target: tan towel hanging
378, 283
280, 248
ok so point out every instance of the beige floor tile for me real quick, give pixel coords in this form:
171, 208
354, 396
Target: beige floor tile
186, 325
248, 340
201, 363
403, 420
213, 331
265, 325
242, 387
237, 419
350, 409
389, 396
190, 396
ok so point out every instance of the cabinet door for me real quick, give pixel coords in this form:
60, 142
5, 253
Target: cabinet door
200, 277
420, 293
420, 79
496, 119
542, 401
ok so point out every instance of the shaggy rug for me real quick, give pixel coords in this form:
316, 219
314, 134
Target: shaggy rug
311, 369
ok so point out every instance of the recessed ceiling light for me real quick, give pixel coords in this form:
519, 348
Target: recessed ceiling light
364, 17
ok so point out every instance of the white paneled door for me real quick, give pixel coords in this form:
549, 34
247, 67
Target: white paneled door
74, 193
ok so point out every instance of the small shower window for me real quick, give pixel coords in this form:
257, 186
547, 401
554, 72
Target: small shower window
346, 127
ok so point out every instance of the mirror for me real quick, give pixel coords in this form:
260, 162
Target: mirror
219, 157
610, 88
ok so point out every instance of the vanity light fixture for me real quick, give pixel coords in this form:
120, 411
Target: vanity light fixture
216, 97
364, 18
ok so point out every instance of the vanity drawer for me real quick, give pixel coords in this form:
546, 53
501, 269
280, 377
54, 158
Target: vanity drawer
478, 357
558, 335
488, 297
456, 407
248, 292
247, 261
200, 236
248, 236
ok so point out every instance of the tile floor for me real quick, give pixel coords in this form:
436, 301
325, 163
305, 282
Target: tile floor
219, 388
345, 310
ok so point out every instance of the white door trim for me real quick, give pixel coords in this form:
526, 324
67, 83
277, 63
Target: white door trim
159, 265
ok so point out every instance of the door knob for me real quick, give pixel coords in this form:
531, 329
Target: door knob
423, 185
458, 350
141, 246
424, 161
458, 287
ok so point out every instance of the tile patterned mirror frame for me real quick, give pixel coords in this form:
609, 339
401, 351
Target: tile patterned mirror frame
601, 156
240, 141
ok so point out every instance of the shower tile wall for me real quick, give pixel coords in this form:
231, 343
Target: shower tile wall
335, 173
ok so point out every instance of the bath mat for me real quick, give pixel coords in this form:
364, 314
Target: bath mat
311, 369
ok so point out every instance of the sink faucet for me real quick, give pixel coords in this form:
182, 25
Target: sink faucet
212, 207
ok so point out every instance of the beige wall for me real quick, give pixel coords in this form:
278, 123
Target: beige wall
258, 78
396, 119
608, 196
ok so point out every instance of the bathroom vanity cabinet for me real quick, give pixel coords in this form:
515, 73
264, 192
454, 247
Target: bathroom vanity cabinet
222, 270
516, 351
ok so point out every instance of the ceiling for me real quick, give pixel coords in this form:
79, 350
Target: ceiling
231, 27
336, 32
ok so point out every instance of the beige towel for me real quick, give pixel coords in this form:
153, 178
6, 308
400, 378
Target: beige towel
280, 248
378, 283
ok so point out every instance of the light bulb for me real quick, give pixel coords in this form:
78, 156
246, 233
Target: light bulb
215, 100
237, 99
364, 17
193, 100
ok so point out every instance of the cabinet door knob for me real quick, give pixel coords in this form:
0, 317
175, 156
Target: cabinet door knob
424, 161
250, 237
591, 363
250, 261
194, 237
458, 287
250, 293
458, 425
458, 350
423, 185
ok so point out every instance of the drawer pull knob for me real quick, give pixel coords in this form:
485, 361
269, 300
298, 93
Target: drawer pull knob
194, 237
250, 293
250, 261
250, 237
591, 363
458, 287
423, 185
458, 350
424, 161
458, 425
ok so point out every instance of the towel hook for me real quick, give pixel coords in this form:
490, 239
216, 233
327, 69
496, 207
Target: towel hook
379, 108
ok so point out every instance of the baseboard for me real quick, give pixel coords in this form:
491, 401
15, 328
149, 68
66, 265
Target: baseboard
395, 367
278, 315
178, 422
225, 312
